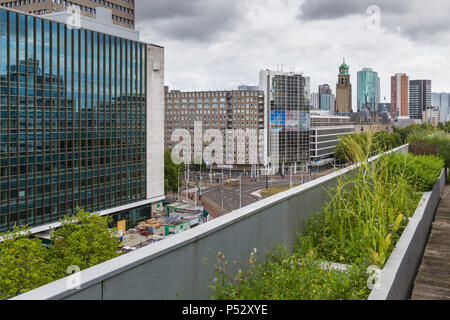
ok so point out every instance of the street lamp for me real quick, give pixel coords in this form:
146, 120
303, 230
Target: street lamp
240, 192
222, 190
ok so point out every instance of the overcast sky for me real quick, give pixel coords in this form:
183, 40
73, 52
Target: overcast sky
219, 44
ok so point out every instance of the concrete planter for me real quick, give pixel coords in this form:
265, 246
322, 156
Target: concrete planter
397, 278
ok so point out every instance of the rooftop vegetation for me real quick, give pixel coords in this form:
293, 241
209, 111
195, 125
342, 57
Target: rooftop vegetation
358, 227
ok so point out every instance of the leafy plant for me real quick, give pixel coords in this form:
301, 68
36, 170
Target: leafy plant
171, 173
23, 263
83, 241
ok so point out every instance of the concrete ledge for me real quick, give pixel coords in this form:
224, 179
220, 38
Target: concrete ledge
182, 267
397, 278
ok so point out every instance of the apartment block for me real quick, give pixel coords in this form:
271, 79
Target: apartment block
219, 110
400, 96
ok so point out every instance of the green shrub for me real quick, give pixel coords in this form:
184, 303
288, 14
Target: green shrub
25, 264
439, 140
421, 172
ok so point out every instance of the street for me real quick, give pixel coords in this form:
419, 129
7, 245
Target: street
212, 193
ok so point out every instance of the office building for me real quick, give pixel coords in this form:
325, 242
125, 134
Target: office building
314, 101
368, 90
400, 96
432, 115
326, 98
81, 123
220, 110
123, 11
442, 101
419, 98
344, 90
326, 130
287, 119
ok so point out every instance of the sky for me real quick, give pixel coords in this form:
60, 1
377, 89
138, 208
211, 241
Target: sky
220, 44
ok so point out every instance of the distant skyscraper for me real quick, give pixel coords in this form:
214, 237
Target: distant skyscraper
419, 98
344, 90
314, 101
325, 97
400, 96
442, 101
368, 89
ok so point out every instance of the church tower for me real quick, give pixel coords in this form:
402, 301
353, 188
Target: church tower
344, 90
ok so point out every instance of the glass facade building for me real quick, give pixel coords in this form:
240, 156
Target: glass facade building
290, 119
368, 90
73, 120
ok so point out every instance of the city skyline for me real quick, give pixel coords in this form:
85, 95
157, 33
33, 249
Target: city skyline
312, 37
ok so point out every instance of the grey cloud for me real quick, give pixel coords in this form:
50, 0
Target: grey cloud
332, 9
199, 20
415, 19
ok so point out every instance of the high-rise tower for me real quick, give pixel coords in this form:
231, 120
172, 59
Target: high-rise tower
344, 90
419, 98
368, 90
400, 96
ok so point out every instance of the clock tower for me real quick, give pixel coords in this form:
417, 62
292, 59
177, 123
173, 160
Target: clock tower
344, 90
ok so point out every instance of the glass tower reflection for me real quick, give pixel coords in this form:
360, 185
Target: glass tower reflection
73, 120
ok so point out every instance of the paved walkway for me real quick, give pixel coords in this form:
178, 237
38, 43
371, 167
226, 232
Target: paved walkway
433, 279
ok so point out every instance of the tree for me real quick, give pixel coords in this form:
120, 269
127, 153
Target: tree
171, 173
24, 263
83, 241
197, 167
